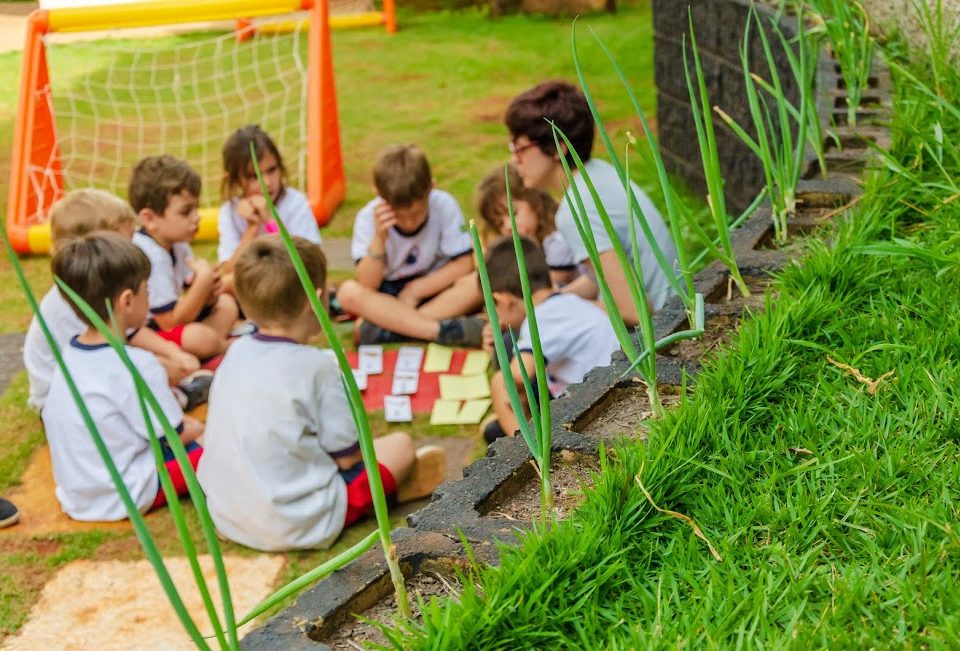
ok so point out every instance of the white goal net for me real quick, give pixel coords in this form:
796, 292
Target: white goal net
119, 100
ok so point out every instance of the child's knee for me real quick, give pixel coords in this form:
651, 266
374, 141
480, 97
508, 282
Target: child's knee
202, 341
227, 306
349, 294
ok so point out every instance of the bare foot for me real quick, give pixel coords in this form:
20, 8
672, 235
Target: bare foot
428, 471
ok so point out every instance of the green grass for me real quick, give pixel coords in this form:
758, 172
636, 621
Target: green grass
833, 510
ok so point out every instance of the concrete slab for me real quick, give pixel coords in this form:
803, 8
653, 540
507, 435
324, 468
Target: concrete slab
120, 605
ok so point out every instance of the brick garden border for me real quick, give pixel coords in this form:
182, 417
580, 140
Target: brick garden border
434, 534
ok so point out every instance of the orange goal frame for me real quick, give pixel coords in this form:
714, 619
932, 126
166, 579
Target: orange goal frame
36, 179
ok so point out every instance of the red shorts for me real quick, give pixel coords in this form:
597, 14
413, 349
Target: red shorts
359, 499
174, 334
194, 451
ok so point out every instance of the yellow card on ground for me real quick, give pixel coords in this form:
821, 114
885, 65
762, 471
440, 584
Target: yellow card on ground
453, 412
473, 411
476, 362
464, 387
438, 359
445, 412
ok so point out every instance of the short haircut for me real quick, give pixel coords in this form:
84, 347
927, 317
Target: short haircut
236, 157
84, 211
402, 175
501, 259
157, 178
557, 101
266, 281
492, 196
98, 267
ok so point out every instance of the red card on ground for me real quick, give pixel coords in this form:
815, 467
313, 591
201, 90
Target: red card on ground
427, 392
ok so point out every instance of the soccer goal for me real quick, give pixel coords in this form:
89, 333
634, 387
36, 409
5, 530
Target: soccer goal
89, 110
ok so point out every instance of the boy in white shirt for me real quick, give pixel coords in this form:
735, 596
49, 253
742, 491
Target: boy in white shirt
575, 334
101, 267
187, 302
282, 467
81, 212
413, 257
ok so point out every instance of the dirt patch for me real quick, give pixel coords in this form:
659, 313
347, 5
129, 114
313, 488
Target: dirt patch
622, 412
717, 331
359, 634
569, 472
799, 227
729, 294
490, 109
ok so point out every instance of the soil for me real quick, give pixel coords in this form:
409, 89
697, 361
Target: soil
570, 472
729, 294
805, 222
717, 331
623, 412
359, 634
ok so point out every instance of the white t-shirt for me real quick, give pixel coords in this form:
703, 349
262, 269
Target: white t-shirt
441, 238
294, 211
64, 324
84, 487
558, 253
169, 272
278, 415
575, 336
609, 187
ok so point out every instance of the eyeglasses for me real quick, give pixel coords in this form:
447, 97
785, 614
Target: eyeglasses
516, 151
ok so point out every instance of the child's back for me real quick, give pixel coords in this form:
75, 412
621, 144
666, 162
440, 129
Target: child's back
575, 336
278, 413
84, 488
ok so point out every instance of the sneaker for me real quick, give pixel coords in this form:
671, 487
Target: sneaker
491, 430
466, 331
370, 334
428, 471
9, 515
245, 328
195, 389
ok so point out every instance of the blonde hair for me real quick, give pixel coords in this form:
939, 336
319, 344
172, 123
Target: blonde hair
402, 175
81, 212
266, 281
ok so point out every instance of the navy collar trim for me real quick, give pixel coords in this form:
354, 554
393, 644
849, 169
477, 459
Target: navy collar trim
272, 338
74, 342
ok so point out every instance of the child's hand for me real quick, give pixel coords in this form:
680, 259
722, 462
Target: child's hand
200, 268
410, 294
183, 365
384, 219
246, 210
216, 286
192, 430
486, 338
260, 208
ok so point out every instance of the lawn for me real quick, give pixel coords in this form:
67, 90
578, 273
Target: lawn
443, 82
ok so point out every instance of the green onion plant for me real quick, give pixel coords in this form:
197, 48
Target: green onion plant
644, 359
359, 412
710, 156
848, 27
537, 432
781, 129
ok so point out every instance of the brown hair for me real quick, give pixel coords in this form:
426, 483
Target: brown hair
557, 101
84, 211
157, 178
402, 175
98, 267
266, 281
501, 259
236, 157
491, 202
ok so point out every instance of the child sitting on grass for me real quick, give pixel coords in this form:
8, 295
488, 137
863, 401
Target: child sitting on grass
534, 211
575, 334
282, 468
413, 258
244, 216
187, 304
81, 212
102, 267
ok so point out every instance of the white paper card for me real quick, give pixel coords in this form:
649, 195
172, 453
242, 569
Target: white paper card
371, 359
360, 377
409, 359
397, 409
405, 383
